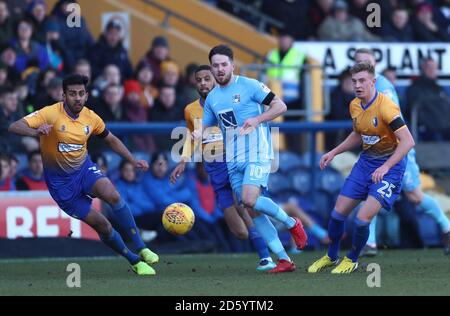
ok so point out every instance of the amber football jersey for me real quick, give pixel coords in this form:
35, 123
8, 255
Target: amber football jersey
212, 143
372, 121
65, 148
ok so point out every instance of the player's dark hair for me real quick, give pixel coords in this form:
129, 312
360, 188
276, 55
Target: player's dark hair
31, 154
221, 50
362, 66
202, 67
75, 79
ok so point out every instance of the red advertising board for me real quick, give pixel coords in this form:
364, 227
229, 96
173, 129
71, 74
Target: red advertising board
35, 214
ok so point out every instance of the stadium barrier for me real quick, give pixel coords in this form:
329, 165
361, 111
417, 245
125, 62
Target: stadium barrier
34, 214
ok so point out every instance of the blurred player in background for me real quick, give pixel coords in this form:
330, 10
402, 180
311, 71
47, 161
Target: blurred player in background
377, 176
73, 179
411, 179
239, 222
237, 105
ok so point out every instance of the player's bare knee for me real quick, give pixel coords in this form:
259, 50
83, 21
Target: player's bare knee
249, 201
114, 198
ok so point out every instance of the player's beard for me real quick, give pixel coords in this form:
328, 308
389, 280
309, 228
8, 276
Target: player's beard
226, 79
76, 107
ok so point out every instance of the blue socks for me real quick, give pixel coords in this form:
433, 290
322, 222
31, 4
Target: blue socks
270, 234
431, 207
127, 223
336, 228
116, 243
372, 241
360, 236
269, 207
258, 243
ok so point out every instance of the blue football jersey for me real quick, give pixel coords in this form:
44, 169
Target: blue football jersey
229, 107
384, 86
387, 88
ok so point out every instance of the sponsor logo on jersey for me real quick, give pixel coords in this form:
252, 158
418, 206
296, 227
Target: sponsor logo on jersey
66, 148
370, 139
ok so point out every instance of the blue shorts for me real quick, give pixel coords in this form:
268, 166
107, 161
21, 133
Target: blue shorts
411, 179
359, 185
218, 174
72, 191
244, 173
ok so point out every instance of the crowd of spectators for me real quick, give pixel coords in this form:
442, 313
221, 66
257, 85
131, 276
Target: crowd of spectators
345, 20
38, 49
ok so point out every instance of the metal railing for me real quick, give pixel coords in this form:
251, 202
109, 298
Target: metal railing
171, 14
312, 128
306, 82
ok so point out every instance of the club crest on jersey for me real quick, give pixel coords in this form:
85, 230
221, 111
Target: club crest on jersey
236, 98
63, 128
87, 129
375, 121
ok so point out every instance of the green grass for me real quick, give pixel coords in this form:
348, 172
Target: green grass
423, 272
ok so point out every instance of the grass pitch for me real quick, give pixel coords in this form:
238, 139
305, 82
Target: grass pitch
403, 272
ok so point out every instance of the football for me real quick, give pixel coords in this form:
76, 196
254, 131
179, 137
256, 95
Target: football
178, 218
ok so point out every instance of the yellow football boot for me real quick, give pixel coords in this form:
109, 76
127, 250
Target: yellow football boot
346, 266
148, 256
142, 268
321, 264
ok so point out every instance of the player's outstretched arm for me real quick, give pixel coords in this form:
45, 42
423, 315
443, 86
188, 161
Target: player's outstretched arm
352, 140
118, 147
21, 127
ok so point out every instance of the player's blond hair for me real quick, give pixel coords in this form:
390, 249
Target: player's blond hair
362, 66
